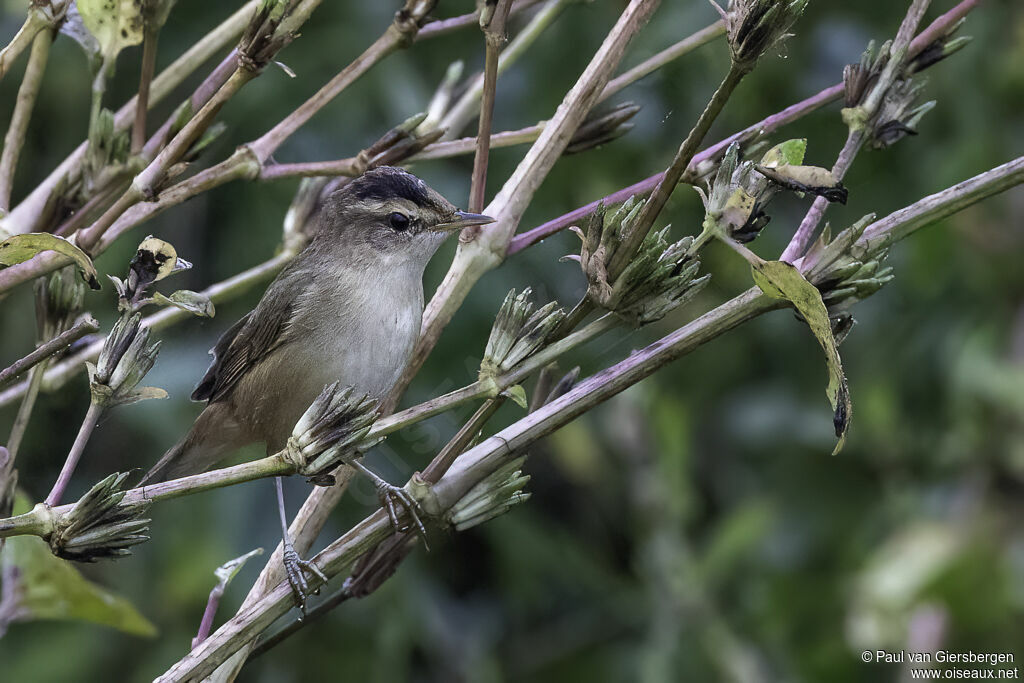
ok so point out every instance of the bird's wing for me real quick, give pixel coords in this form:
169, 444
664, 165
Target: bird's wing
247, 342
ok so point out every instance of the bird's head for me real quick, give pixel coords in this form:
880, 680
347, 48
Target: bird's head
393, 213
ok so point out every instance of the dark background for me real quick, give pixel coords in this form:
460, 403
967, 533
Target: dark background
695, 527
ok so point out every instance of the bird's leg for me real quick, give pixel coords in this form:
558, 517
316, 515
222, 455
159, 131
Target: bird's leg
391, 495
293, 564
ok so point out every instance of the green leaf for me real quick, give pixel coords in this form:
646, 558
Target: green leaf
21, 248
517, 394
187, 300
788, 153
115, 24
48, 587
781, 280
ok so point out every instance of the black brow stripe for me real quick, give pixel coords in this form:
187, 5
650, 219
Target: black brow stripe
383, 185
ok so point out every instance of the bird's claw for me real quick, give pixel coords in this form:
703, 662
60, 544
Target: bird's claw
390, 497
294, 566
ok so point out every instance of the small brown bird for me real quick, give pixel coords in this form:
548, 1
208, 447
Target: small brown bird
346, 310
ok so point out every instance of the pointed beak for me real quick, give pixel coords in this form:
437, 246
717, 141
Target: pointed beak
462, 219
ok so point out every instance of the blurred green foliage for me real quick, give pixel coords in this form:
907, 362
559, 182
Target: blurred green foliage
694, 528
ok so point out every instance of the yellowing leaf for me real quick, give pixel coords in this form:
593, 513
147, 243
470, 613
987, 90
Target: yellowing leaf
781, 280
48, 587
21, 248
115, 24
737, 209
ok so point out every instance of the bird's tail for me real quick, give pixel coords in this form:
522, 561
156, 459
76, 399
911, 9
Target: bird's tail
213, 436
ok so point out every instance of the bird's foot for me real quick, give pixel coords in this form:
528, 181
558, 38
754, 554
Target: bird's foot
391, 498
295, 568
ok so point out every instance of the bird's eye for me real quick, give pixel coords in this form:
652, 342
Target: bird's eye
398, 221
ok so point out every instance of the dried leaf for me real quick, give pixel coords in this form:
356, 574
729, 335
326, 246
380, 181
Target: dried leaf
187, 300
813, 179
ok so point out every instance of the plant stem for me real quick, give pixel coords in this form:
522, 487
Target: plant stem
462, 112
222, 291
49, 348
270, 466
487, 250
398, 34
442, 462
27, 216
900, 224
443, 27
28, 402
92, 416
898, 55
494, 36
22, 114
145, 78
35, 22
487, 456
669, 54
805, 232
481, 389
674, 173
212, 603
898, 52
770, 124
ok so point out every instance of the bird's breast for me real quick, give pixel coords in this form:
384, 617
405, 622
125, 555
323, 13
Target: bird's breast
347, 335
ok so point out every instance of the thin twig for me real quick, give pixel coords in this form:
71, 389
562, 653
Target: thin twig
92, 416
898, 55
444, 459
494, 38
220, 292
487, 250
669, 181
487, 456
28, 402
443, 27
212, 603
22, 114
669, 54
145, 78
467, 106
936, 29
49, 348
27, 216
35, 22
